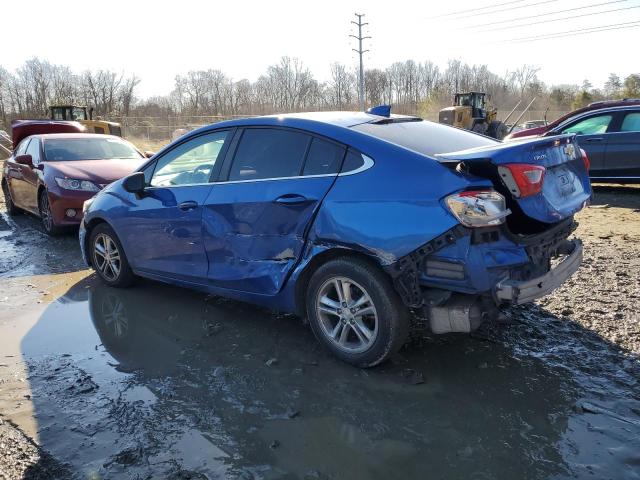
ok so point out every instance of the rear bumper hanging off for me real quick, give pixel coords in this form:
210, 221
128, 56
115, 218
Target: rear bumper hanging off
519, 292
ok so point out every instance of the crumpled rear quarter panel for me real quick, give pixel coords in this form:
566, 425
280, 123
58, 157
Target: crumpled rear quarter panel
392, 208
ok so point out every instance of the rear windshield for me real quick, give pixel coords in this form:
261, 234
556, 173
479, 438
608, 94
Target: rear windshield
425, 137
66, 149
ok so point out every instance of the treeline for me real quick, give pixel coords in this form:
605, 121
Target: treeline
28, 92
411, 87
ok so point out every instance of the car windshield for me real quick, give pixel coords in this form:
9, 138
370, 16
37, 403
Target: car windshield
92, 148
427, 138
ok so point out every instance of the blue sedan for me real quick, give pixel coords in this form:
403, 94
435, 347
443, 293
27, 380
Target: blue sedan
350, 219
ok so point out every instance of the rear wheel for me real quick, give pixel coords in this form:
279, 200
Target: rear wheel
48, 223
8, 201
355, 312
108, 257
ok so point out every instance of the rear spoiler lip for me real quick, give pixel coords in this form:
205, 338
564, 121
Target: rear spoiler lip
517, 147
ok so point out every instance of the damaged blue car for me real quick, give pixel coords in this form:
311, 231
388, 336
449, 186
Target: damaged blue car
353, 220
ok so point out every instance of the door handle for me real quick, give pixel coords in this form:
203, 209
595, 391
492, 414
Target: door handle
188, 205
290, 199
595, 139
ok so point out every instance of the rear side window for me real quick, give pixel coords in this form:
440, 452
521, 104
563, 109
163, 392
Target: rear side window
323, 158
269, 153
631, 123
352, 161
427, 138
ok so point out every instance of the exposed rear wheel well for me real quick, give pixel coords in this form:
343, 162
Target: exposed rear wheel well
315, 263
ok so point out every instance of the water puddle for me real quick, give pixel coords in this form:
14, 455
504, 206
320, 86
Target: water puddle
155, 381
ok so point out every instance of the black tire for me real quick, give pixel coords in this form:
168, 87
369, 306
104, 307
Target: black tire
479, 127
391, 315
46, 216
121, 278
8, 201
497, 130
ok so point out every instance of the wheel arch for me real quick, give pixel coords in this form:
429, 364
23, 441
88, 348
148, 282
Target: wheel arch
316, 262
89, 226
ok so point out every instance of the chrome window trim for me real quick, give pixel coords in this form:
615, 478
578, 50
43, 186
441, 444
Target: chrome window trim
368, 163
154, 187
624, 131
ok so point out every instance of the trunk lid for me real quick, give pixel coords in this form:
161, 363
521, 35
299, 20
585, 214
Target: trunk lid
565, 190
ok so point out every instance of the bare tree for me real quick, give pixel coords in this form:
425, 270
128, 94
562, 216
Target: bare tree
523, 76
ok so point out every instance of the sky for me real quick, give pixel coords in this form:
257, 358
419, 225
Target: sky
157, 40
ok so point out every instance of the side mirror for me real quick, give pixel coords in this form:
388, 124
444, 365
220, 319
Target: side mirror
24, 160
149, 154
135, 183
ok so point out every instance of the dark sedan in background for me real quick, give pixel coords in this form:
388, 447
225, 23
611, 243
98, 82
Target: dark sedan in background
52, 175
611, 138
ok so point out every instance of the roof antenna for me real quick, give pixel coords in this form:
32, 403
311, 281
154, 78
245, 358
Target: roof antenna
380, 110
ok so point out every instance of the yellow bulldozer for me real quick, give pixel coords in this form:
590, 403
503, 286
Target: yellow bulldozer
470, 111
85, 117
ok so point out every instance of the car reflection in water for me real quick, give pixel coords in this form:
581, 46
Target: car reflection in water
185, 384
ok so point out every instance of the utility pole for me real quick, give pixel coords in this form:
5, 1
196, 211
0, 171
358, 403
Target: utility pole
360, 52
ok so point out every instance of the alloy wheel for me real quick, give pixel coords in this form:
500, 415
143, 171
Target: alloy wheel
106, 257
347, 314
45, 213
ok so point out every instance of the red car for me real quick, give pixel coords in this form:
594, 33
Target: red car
529, 132
51, 175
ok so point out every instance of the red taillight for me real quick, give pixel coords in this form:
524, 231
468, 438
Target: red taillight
522, 179
585, 159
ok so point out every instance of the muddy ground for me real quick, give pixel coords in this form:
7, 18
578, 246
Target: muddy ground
159, 382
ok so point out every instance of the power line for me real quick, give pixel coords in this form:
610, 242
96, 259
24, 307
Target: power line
476, 9
360, 52
546, 14
505, 9
557, 19
579, 31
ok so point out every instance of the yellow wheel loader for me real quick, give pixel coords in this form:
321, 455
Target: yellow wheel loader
79, 114
470, 112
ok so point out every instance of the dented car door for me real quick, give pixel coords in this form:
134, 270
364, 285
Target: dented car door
255, 218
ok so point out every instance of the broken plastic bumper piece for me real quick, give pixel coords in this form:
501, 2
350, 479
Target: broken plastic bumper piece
519, 292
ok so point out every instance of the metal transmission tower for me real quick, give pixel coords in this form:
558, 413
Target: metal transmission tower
360, 52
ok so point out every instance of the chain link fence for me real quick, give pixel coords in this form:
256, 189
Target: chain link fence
152, 133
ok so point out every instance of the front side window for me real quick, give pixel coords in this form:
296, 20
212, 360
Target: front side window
590, 126
22, 147
631, 123
269, 153
191, 162
34, 150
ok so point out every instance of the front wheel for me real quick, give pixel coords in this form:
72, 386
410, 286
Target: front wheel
46, 215
355, 312
108, 257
